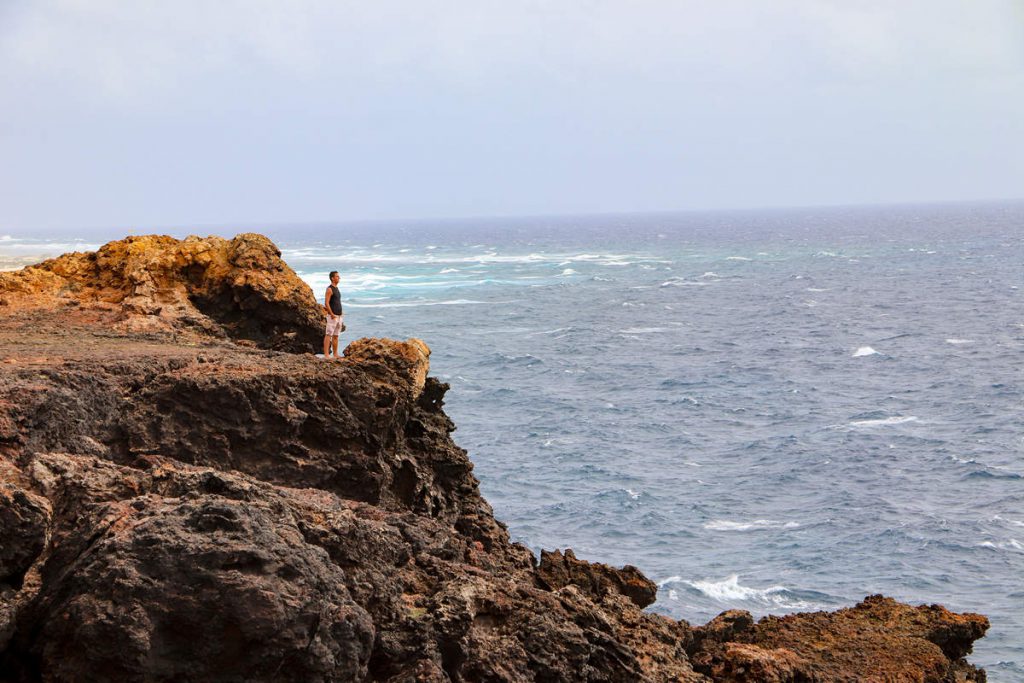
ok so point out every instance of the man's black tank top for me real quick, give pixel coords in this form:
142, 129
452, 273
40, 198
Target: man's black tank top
335, 300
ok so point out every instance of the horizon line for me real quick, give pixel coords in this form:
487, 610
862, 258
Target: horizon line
152, 229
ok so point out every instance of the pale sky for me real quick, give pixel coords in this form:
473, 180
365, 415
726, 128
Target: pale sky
144, 114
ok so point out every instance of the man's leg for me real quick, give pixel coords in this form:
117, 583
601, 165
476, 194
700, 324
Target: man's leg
334, 342
327, 346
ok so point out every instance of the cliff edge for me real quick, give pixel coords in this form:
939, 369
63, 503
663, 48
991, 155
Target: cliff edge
185, 495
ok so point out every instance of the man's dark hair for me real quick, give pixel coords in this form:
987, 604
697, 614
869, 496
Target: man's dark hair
332, 273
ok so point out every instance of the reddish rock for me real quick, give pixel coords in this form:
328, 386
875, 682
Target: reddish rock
239, 288
877, 640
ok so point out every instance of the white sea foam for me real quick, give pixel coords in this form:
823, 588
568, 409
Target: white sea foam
1011, 522
729, 590
726, 525
864, 351
43, 248
1011, 544
411, 304
671, 579
710, 274
633, 494
682, 282
409, 257
643, 330
959, 341
554, 331
881, 422
737, 258
818, 289
568, 271
449, 270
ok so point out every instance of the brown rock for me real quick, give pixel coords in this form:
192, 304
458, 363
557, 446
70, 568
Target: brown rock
597, 580
24, 525
237, 288
877, 640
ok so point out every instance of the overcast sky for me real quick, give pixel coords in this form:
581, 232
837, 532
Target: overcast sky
146, 114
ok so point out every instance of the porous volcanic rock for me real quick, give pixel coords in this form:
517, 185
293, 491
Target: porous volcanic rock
179, 504
239, 288
879, 639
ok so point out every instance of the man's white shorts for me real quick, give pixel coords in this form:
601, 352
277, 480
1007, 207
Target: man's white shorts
334, 325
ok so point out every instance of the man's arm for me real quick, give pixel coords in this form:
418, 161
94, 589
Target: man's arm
327, 303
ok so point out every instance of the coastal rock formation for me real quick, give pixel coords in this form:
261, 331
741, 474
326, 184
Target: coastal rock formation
239, 288
181, 499
879, 639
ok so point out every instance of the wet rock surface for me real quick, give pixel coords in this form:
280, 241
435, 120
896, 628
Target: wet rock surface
180, 499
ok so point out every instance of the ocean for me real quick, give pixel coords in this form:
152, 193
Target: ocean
777, 411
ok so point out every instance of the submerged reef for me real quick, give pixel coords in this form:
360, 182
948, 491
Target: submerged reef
187, 494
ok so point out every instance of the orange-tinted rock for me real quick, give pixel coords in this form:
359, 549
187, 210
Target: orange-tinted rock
877, 640
238, 288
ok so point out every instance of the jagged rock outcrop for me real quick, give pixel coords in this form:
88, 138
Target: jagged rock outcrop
239, 288
879, 639
177, 504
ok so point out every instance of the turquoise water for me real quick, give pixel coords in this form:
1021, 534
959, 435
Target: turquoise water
777, 411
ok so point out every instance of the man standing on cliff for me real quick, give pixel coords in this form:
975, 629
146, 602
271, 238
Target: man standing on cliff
335, 317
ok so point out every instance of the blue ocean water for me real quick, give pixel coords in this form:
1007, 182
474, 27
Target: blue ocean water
776, 411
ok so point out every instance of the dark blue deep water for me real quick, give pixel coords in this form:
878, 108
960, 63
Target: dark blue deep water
776, 411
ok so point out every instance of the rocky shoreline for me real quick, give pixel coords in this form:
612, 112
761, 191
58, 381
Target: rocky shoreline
187, 494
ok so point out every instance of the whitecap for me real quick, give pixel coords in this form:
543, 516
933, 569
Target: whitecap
896, 420
671, 579
737, 258
726, 525
410, 304
1011, 544
633, 494
817, 289
729, 590
710, 274
568, 271
1012, 522
864, 351
959, 341
554, 331
642, 330
682, 282
449, 270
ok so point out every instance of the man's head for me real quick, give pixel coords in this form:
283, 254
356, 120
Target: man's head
334, 277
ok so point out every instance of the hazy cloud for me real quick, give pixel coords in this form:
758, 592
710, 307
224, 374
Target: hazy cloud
346, 109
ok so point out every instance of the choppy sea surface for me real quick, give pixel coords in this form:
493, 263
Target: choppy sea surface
777, 411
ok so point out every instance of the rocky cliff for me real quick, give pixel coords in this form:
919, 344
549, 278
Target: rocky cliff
186, 496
